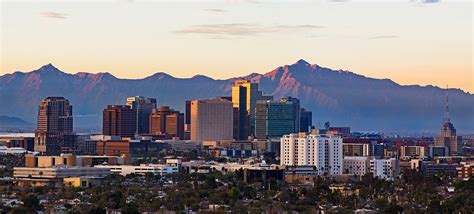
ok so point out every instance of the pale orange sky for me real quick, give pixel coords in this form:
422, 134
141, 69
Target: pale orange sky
408, 42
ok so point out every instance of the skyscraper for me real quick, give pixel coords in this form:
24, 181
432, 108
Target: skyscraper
306, 120
119, 120
447, 136
211, 120
296, 110
54, 133
253, 95
142, 107
167, 121
274, 119
241, 124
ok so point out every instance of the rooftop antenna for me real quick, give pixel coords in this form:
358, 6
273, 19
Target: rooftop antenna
446, 110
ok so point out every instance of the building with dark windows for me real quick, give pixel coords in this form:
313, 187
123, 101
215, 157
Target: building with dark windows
54, 133
274, 119
168, 122
119, 120
296, 110
306, 120
241, 120
142, 108
253, 94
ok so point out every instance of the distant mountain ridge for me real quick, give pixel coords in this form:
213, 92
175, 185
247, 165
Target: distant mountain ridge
342, 97
13, 122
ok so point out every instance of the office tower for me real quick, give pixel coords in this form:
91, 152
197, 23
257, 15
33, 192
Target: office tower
296, 110
54, 132
187, 113
306, 120
253, 95
322, 151
142, 107
447, 136
211, 120
166, 121
274, 119
239, 101
119, 120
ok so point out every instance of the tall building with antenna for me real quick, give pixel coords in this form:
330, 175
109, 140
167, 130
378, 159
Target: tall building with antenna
447, 136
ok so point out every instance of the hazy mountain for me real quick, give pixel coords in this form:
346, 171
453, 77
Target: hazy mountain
13, 122
342, 97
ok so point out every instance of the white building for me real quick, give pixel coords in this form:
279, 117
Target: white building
356, 165
171, 166
387, 169
322, 151
12, 150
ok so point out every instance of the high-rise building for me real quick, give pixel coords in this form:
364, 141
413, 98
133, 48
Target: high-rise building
54, 132
306, 120
241, 123
142, 108
119, 120
253, 95
296, 110
447, 136
274, 119
322, 151
211, 120
166, 121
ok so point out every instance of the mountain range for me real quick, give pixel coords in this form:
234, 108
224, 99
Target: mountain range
342, 97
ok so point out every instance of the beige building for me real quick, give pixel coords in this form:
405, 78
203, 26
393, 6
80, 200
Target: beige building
356, 165
211, 120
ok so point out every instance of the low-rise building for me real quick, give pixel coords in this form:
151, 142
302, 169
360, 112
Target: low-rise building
356, 165
171, 166
387, 169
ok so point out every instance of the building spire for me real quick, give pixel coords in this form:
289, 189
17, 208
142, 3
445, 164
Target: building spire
446, 110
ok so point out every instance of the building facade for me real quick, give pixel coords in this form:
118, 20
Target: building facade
166, 121
387, 169
54, 133
306, 120
322, 151
211, 120
119, 120
274, 119
142, 108
356, 165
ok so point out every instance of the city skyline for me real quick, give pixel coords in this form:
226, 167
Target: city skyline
241, 38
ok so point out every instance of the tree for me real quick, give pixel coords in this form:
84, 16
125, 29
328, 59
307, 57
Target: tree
31, 202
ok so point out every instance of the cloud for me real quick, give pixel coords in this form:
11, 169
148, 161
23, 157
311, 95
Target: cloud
223, 29
214, 10
384, 37
297, 27
242, 29
54, 15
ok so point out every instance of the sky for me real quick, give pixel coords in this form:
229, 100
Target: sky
425, 42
